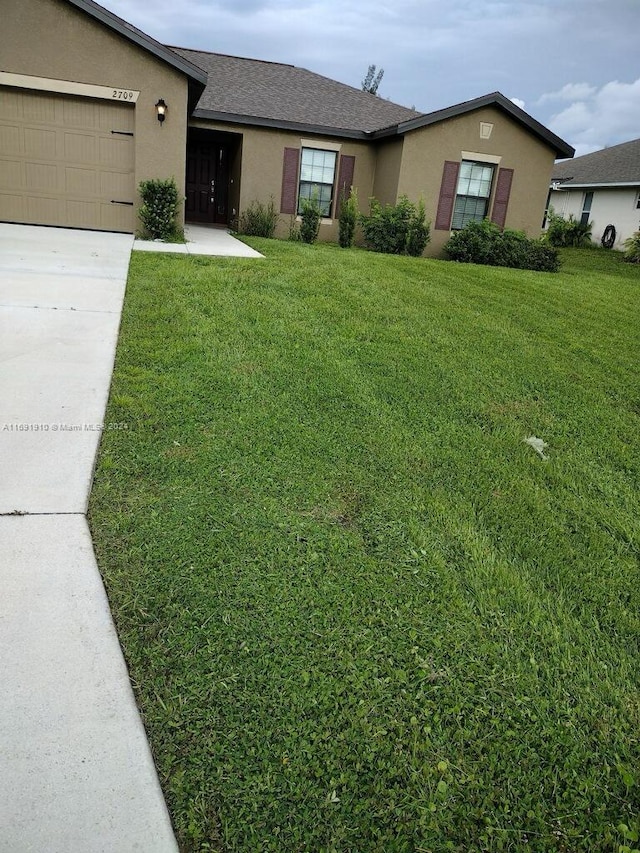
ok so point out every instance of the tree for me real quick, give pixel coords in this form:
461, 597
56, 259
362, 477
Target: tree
372, 80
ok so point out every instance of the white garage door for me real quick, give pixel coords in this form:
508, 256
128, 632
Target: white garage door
66, 160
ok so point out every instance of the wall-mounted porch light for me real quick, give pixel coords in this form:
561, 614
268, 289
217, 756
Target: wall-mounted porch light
161, 110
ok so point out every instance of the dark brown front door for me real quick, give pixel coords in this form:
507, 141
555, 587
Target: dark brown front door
207, 182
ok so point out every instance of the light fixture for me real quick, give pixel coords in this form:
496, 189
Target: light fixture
161, 110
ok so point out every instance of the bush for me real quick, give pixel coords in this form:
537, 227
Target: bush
563, 232
632, 249
310, 225
348, 219
399, 229
159, 208
484, 243
417, 232
259, 220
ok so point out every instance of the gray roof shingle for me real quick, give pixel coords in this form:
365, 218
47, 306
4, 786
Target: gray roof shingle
619, 164
287, 94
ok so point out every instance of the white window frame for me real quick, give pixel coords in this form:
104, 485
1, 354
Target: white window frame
325, 148
484, 163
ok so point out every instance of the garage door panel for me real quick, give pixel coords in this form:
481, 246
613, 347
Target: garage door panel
60, 163
11, 174
43, 209
114, 185
13, 207
10, 139
39, 108
40, 144
81, 181
81, 148
116, 152
114, 217
41, 177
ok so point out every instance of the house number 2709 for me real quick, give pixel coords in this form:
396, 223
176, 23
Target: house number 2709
122, 95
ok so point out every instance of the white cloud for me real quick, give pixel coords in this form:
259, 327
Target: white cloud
603, 116
518, 102
569, 92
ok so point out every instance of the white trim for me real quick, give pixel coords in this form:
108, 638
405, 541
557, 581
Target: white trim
569, 185
480, 158
69, 87
320, 144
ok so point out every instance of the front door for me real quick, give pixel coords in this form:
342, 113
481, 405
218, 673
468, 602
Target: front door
207, 186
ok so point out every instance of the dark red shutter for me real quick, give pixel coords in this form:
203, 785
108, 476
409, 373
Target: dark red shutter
345, 180
289, 199
447, 195
501, 201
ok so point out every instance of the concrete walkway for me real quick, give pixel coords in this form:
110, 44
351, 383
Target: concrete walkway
76, 772
202, 240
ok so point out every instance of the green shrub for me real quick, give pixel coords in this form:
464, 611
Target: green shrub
399, 229
484, 243
259, 220
159, 208
310, 225
417, 232
348, 219
632, 248
563, 232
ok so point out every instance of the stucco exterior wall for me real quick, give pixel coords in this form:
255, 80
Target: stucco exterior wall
51, 39
610, 206
262, 166
426, 150
388, 165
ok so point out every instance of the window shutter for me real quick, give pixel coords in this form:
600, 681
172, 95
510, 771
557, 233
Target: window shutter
501, 201
447, 195
289, 199
345, 180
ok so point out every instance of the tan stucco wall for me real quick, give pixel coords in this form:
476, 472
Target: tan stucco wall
262, 161
425, 151
49, 38
388, 164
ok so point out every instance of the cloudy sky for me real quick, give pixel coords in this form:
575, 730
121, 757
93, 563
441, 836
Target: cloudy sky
572, 64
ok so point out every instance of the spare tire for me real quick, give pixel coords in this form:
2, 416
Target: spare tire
609, 237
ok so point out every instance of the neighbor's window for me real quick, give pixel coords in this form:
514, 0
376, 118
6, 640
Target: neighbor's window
317, 174
638, 202
586, 208
473, 193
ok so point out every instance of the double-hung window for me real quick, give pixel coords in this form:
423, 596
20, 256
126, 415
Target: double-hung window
473, 193
317, 176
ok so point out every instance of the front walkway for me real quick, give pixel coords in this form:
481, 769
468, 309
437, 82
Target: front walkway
202, 240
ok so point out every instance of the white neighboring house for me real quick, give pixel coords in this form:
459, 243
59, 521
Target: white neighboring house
603, 188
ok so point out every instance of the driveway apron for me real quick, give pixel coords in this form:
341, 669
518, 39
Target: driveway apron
76, 772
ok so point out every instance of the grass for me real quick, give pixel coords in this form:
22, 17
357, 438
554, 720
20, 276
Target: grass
360, 613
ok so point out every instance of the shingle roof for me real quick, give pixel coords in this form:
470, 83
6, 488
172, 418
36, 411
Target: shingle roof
285, 94
272, 94
619, 164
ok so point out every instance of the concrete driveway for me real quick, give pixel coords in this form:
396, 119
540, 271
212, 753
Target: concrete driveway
76, 772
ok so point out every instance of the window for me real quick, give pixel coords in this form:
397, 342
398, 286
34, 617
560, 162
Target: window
317, 175
473, 193
638, 202
586, 208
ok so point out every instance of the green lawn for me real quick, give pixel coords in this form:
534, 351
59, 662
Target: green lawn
360, 613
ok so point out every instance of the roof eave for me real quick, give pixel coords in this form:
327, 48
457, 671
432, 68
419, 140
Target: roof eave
280, 124
568, 184
141, 39
561, 148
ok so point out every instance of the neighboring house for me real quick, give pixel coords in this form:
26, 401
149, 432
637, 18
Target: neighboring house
82, 91
603, 188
